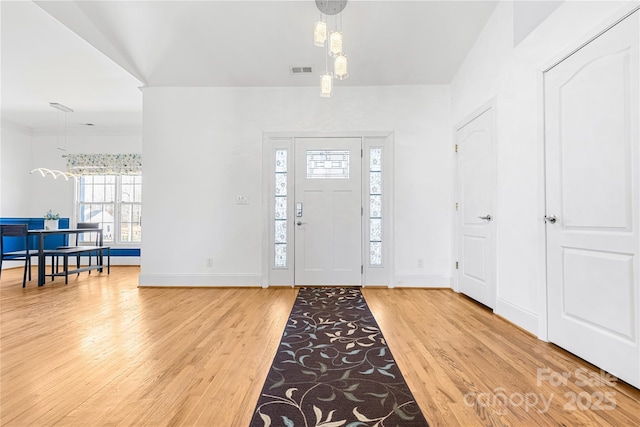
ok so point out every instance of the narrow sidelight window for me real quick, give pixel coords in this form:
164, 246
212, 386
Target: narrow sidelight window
280, 235
375, 207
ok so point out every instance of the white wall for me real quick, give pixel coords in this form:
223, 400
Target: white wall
203, 146
15, 164
495, 69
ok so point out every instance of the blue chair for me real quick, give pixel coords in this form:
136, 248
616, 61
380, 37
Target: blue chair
17, 234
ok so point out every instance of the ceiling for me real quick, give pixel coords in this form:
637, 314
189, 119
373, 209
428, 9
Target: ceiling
105, 50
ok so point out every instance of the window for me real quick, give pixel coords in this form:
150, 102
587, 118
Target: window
375, 207
280, 241
113, 201
130, 208
327, 164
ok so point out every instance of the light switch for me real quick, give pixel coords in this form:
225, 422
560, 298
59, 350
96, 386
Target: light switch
242, 200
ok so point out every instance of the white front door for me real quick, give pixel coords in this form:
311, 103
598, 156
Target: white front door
593, 187
476, 247
328, 205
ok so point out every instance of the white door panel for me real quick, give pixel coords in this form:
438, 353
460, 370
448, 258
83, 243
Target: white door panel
585, 272
328, 245
595, 152
476, 266
311, 258
592, 160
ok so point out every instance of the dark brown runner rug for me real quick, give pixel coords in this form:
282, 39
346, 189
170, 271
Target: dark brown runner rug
333, 368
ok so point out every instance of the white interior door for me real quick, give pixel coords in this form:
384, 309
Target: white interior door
328, 206
592, 159
476, 247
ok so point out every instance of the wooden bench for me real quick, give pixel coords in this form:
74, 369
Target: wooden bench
78, 251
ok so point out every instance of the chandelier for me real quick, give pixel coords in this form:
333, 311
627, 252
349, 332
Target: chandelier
333, 43
54, 172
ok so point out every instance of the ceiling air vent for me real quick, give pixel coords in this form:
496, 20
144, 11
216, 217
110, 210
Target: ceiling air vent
301, 70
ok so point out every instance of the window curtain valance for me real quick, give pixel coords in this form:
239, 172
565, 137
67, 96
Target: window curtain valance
104, 164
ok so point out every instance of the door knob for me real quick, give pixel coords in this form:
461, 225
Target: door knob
486, 218
550, 219
300, 223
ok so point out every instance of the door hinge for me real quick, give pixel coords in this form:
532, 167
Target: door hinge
361, 211
362, 269
456, 148
456, 265
362, 153
457, 205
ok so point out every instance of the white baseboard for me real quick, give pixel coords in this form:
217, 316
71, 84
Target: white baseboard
14, 264
517, 315
125, 260
422, 281
200, 280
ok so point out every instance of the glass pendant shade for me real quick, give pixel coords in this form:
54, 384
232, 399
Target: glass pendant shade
335, 43
319, 33
340, 70
326, 85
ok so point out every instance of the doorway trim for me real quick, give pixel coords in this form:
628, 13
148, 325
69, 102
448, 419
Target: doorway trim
284, 276
489, 106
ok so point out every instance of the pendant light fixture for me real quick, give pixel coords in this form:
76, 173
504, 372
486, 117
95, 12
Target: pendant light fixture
326, 81
66, 110
326, 86
320, 33
60, 107
333, 44
54, 172
340, 69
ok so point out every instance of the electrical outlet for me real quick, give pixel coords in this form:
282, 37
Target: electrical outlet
209, 262
420, 262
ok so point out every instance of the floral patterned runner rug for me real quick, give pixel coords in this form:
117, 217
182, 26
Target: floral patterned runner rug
333, 368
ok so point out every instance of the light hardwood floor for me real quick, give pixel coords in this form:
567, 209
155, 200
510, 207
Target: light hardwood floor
100, 351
